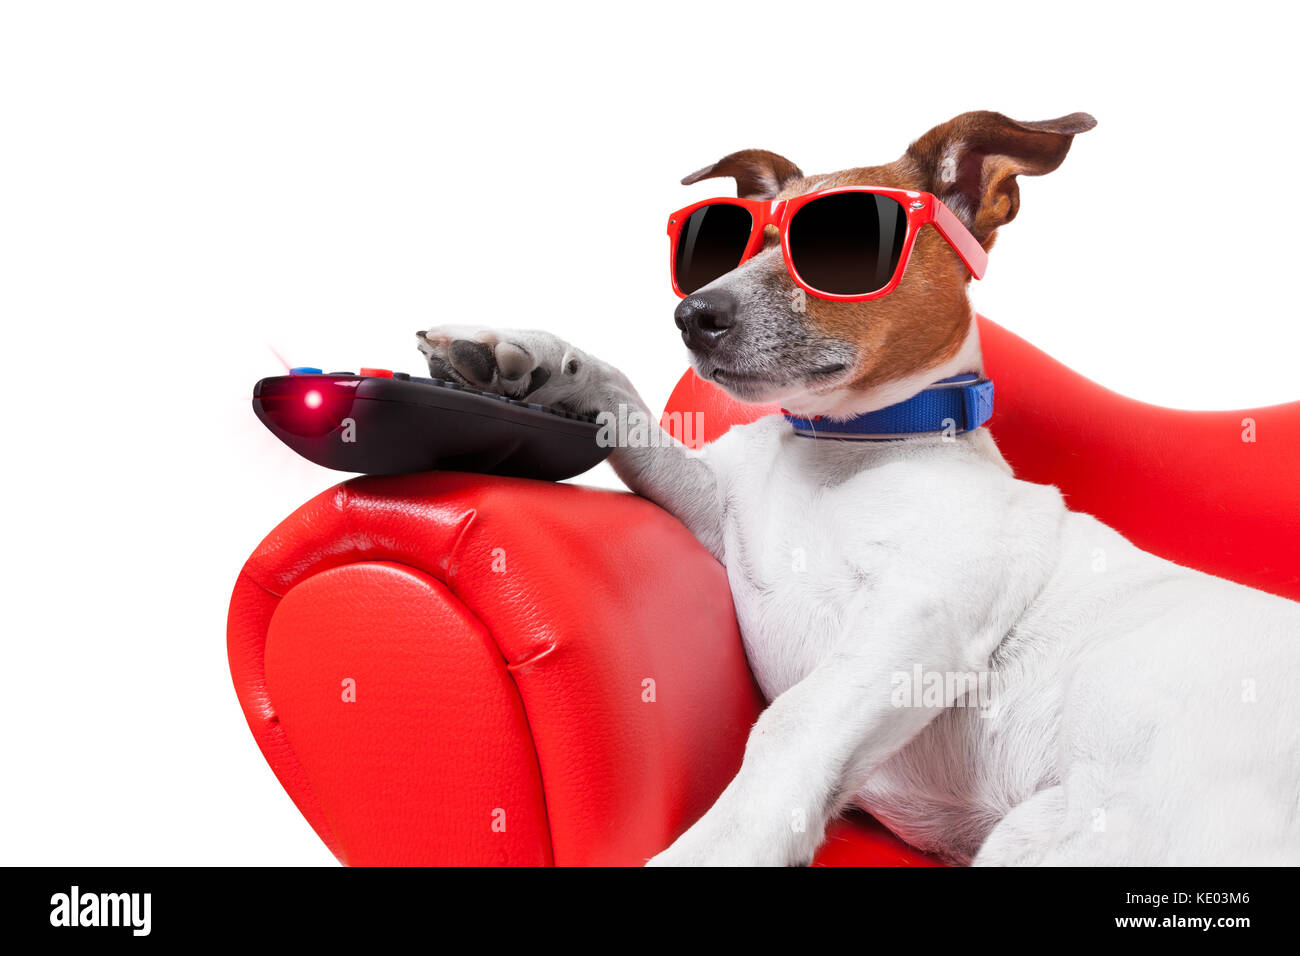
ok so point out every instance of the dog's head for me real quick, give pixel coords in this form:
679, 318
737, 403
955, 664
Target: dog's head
753, 330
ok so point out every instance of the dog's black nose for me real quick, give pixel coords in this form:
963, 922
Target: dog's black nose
705, 318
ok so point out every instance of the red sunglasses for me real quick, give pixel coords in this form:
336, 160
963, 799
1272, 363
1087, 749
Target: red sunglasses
847, 243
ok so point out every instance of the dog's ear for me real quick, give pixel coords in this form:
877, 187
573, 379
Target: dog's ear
973, 160
759, 174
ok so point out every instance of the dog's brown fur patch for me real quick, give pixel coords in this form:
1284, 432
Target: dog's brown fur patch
921, 323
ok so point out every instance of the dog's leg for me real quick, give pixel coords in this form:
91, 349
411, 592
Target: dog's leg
817, 744
1024, 836
547, 370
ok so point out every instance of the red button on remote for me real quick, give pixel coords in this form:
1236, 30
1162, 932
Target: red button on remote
376, 372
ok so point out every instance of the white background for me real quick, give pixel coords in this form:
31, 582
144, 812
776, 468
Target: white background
185, 187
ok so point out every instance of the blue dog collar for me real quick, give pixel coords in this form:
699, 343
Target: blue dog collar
951, 405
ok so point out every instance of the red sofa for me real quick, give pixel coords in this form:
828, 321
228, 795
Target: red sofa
455, 669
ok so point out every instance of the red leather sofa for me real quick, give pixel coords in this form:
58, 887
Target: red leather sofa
448, 668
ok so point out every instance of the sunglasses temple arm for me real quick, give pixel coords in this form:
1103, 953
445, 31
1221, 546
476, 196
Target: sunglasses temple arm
960, 238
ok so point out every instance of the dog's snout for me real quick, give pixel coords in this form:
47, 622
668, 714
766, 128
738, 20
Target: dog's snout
705, 318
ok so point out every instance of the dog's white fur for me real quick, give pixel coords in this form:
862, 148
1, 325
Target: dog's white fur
1142, 712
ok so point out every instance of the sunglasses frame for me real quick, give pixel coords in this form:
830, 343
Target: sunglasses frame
921, 208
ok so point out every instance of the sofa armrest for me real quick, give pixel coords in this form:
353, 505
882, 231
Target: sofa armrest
452, 668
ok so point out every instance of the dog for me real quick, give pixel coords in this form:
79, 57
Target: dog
1116, 730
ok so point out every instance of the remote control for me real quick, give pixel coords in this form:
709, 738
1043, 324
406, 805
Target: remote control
380, 422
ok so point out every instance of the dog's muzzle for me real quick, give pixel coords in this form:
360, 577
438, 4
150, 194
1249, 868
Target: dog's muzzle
705, 319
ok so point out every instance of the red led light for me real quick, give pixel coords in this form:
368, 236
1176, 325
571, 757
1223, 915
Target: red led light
312, 399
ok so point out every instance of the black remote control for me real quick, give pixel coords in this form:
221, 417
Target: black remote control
379, 422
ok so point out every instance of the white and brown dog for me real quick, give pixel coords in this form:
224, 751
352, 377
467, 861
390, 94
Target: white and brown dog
1115, 730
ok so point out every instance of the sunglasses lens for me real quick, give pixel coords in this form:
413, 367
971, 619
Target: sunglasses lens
848, 243
711, 243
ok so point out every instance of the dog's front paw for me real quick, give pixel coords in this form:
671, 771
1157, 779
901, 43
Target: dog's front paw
720, 856
521, 364
718, 841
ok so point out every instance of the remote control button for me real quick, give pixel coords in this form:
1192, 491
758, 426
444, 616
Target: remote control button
340, 373
305, 370
377, 372
402, 376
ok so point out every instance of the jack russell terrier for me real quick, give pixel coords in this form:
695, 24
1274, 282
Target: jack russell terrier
947, 656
